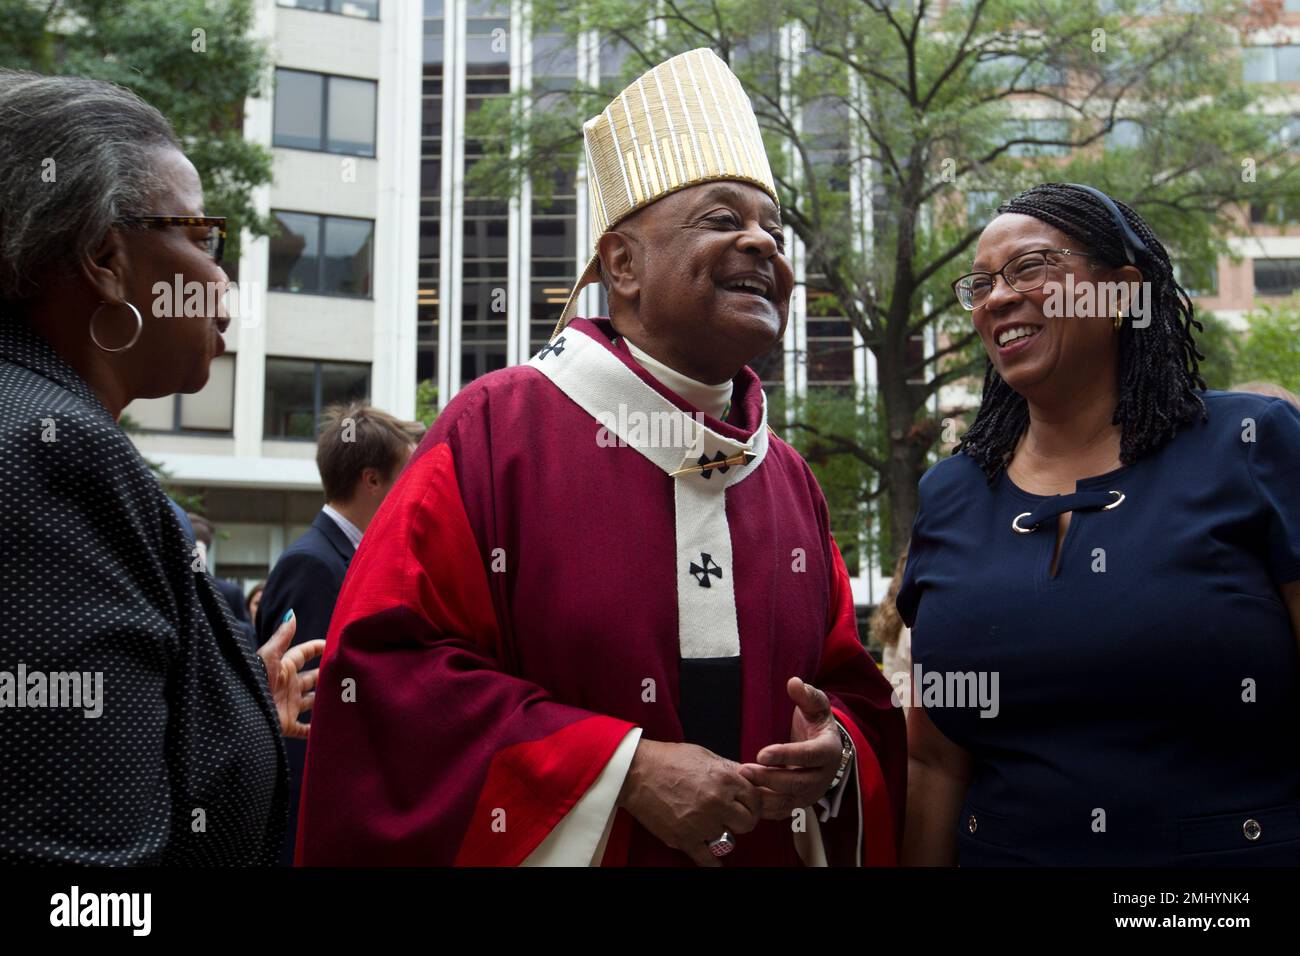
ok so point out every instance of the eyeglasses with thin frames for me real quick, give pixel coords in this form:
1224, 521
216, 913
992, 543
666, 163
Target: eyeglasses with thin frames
1023, 273
216, 238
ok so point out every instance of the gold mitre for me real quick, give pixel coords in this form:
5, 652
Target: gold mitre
685, 122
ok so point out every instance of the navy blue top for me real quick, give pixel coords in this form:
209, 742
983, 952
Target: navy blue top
1147, 705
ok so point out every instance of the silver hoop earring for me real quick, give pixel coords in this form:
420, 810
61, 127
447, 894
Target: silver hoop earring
139, 327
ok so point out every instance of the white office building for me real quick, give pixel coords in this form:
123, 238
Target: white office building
326, 308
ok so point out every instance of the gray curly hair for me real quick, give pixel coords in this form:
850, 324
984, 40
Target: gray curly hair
95, 142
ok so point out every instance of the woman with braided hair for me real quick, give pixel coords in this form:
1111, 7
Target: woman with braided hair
1112, 557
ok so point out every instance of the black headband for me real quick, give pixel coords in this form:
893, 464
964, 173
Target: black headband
1132, 241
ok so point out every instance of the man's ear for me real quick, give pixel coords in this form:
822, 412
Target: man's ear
105, 268
619, 254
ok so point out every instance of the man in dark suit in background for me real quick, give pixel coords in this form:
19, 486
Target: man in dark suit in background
201, 533
360, 452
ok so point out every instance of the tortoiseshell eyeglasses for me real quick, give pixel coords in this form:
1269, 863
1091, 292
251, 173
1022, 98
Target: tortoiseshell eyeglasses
216, 235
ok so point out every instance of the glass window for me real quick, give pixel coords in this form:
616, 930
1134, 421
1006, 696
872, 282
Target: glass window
482, 52
343, 382
1125, 134
351, 116
564, 268
478, 360
1023, 71
554, 56
486, 44
483, 309
430, 172
429, 237
290, 399
1197, 279
830, 361
1276, 212
431, 116
486, 238
363, 9
298, 389
297, 109
613, 54
295, 253
1048, 129
554, 237
212, 408
324, 255
1288, 64
1258, 64
334, 114
426, 324
348, 256
1277, 276
153, 414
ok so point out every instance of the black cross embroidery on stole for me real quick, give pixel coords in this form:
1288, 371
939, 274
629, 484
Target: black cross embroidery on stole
708, 472
557, 347
710, 567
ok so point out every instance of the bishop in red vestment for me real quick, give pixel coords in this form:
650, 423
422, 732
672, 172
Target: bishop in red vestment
597, 623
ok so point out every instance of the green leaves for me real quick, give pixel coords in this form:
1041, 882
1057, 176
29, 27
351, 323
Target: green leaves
1270, 350
192, 59
426, 401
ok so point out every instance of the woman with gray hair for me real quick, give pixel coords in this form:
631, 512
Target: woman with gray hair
140, 728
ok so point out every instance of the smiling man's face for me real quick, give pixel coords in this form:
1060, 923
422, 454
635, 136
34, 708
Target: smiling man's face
699, 279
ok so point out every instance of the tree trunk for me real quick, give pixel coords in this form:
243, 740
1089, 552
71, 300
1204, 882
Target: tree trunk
910, 439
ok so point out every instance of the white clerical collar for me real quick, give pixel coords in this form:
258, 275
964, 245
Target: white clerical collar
710, 399
352, 532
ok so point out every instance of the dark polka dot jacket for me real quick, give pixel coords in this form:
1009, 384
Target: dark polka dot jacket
177, 758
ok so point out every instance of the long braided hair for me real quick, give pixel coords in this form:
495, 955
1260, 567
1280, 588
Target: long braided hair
1158, 365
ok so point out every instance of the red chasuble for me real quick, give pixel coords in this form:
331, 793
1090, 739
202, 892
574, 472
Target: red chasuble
554, 576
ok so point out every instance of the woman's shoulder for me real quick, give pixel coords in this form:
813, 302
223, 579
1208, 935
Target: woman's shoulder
1232, 422
48, 429
951, 473
948, 486
27, 397
1221, 403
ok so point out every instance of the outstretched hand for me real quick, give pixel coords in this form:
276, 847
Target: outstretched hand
798, 774
293, 690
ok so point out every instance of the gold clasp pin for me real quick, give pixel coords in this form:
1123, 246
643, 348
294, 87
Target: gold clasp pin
741, 458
